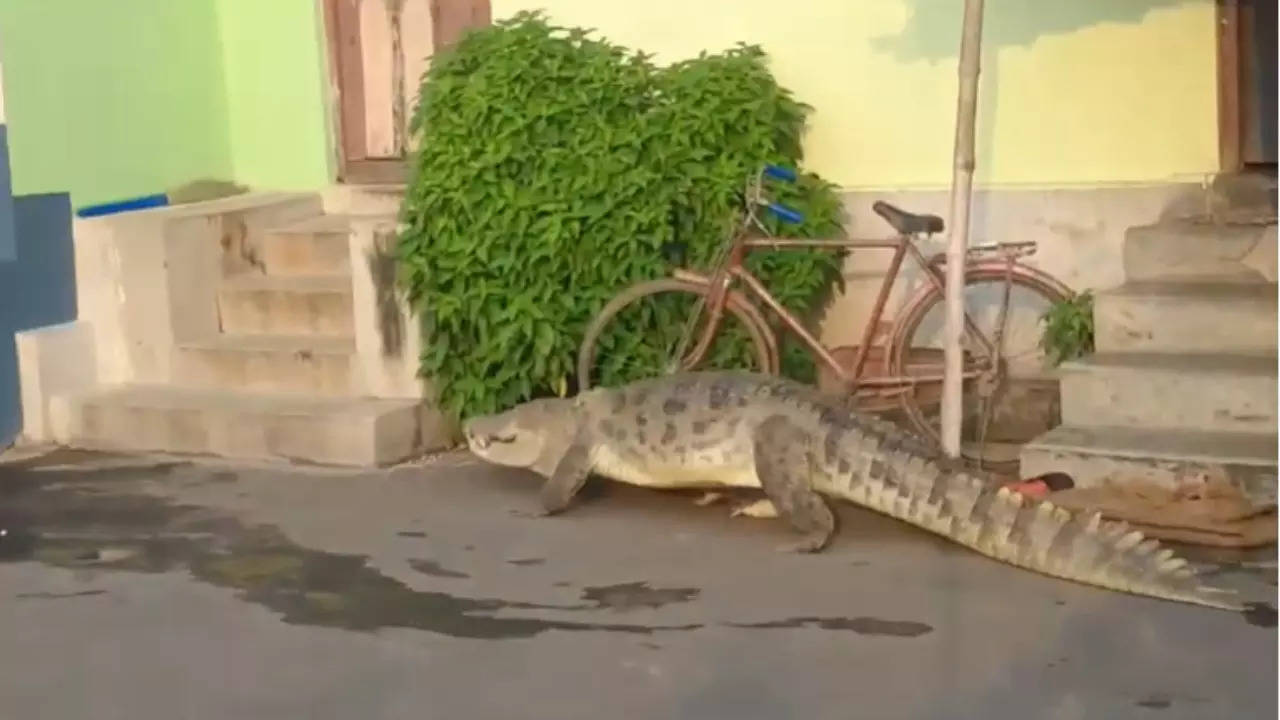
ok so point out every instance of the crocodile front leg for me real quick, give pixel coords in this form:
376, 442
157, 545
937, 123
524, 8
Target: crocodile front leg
709, 498
784, 464
566, 480
762, 508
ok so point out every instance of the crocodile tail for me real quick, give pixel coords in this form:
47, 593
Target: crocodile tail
1037, 535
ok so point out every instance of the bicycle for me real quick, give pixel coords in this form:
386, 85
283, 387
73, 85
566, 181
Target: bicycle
909, 373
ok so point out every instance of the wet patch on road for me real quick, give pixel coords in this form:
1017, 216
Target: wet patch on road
1260, 614
434, 569
628, 596
215, 477
315, 588
49, 520
58, 596
1155, 702
859, 625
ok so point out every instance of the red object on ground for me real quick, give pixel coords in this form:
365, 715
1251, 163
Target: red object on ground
1037, 488
1040, 486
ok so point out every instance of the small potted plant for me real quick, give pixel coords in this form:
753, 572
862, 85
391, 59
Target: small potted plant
1068, 330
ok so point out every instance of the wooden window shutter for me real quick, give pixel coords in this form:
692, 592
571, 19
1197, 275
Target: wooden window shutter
451, 18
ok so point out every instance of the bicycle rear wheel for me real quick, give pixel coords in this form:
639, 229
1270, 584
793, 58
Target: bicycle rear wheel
1026, 401
636, 334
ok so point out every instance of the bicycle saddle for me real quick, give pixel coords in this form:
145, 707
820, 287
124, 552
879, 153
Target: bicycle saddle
905, 222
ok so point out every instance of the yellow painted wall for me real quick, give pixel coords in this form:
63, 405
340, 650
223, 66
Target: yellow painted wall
1073, 91
273, 61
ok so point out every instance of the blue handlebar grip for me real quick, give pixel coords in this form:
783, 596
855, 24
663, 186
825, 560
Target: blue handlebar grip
780, 173
786, 213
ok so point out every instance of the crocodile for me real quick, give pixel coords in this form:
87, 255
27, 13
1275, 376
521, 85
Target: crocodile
735, 429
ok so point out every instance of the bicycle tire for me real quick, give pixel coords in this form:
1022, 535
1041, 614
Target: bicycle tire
1026, 278
735, 306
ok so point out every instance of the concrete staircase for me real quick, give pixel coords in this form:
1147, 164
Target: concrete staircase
1183, 381
276, 349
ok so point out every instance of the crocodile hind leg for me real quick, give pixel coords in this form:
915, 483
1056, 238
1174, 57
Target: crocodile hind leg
784, 463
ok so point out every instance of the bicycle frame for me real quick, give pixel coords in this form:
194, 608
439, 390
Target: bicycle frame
733, 268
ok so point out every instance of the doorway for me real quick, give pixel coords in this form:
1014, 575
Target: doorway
378, 50
1247, 85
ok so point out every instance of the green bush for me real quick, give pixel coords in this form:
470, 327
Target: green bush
554, 167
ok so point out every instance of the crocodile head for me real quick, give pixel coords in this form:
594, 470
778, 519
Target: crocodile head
532, 435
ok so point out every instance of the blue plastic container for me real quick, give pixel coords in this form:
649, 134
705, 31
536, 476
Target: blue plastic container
138, 203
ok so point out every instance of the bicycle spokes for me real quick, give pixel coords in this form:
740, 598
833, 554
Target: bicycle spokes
649, 335
1003, 403
989, 384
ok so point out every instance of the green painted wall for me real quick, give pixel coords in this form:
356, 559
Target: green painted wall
275, 71
113, 99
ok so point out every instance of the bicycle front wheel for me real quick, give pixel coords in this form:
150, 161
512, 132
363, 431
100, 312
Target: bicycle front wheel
638, 333
1024, 401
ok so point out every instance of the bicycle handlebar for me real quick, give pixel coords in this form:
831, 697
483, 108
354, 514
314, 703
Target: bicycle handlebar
780, 173
790, 215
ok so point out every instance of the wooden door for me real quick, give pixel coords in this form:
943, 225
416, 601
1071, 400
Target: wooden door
1247, 83
1258, 82
378, 50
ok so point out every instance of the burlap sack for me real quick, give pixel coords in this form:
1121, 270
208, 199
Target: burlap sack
1211, 513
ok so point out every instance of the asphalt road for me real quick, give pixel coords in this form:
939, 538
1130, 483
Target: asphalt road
140, 588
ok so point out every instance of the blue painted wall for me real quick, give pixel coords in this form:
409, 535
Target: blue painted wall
8, 248
37, 279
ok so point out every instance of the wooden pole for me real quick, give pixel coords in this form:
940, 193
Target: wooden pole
958, 239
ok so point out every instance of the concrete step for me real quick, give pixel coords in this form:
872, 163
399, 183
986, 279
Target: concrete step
1178, 317
315, 246
1095, 456
1249, 195
1192, 250
364, 199
1226, 393
269, 363
338, 431
281, 305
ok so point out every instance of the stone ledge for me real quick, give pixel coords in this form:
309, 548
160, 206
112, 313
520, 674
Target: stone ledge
52, 360
334, 431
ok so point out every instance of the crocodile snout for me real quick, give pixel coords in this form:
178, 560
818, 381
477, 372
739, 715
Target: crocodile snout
475, 439
479, 439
